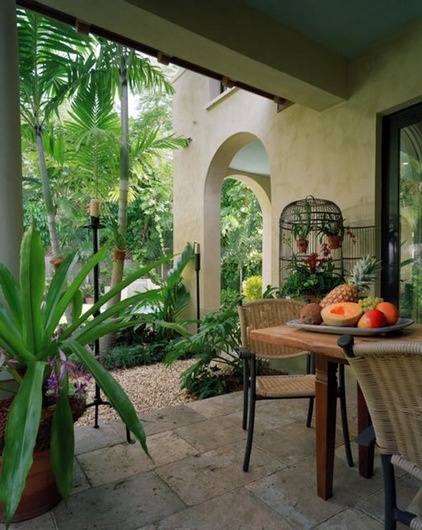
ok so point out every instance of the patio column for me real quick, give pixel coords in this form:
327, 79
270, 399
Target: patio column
11, 211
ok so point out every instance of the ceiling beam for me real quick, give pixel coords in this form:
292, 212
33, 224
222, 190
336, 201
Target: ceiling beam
218, 38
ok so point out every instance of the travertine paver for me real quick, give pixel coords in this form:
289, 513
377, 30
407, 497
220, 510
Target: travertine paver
120, 461
128, 504
213, 473
196, 480
237, 510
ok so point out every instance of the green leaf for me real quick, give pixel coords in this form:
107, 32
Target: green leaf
63, 443
57, 287
114, 392
110, 294
59, 309
12, 295
11, 339
21, 433
32, 280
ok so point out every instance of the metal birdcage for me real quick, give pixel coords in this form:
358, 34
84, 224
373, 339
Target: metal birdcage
311, 262
319, 211
316, 220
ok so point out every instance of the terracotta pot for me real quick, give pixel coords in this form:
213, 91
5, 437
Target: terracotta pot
333, 242
302, 245
40, 494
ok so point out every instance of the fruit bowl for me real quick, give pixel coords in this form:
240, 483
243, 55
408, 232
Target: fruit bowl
348, 330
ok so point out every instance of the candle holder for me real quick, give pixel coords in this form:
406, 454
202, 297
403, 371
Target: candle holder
95, 226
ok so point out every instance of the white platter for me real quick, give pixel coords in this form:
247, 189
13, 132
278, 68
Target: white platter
340, 330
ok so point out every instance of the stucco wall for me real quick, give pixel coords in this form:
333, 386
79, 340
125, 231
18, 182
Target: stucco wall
332, 154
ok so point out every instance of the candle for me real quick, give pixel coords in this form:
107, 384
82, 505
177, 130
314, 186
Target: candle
196, 247
94, 208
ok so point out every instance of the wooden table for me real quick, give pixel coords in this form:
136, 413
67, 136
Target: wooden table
327, 355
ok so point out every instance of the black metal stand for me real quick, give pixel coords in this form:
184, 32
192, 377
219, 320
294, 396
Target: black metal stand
95, 226
197, 252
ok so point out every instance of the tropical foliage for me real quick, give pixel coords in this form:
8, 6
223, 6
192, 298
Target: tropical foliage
214, 348
52, 64
81, 139
314, 276
29, 319
241, 235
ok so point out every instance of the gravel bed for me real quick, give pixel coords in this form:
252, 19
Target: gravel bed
148, 387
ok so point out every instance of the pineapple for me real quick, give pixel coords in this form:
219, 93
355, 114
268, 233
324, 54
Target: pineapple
363, 274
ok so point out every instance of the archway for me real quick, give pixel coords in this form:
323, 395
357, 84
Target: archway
220, 168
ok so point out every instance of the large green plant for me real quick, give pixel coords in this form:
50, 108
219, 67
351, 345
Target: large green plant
215, 344
30, 314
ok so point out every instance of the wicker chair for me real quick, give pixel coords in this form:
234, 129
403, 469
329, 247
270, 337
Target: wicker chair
390, 376
262, 314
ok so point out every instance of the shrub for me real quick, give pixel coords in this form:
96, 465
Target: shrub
215, 347
252, 288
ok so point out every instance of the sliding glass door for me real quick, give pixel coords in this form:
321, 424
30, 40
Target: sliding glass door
401, 281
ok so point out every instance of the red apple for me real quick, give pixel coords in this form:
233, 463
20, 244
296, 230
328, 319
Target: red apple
372, 319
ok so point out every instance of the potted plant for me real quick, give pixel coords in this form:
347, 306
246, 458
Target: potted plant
116, 240
333, 230
35, 350
88, 293
311, 278
302, 226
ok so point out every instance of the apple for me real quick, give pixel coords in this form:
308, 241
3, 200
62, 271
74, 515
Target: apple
372, 319
390, 311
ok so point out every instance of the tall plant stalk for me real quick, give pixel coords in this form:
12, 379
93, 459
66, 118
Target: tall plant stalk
50, 58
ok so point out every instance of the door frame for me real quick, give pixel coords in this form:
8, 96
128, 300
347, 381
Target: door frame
390, 198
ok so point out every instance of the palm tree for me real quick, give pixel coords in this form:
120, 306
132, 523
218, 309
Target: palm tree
92, 133
118, 70
51, 57
129, 72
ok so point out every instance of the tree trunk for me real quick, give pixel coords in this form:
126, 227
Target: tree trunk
48, 199
118, 264
107, 342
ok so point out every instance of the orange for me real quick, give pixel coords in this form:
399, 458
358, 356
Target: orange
390, 311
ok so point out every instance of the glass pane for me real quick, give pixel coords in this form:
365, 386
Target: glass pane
411, 221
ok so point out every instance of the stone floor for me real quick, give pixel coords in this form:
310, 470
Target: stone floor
195, 481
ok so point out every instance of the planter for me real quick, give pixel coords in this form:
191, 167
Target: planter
334, 242
77, 405
302, 245
40, 494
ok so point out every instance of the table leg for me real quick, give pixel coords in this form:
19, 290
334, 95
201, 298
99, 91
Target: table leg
326, 409
366, 452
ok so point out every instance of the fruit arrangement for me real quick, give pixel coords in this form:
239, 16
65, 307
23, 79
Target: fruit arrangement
346, 314
363, 275
344, 306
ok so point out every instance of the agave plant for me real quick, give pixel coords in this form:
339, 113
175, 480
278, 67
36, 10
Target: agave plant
30, 314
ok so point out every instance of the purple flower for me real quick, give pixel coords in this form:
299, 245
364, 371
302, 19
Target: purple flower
63, 369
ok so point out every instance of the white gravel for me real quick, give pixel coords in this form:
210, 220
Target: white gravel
148, 387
